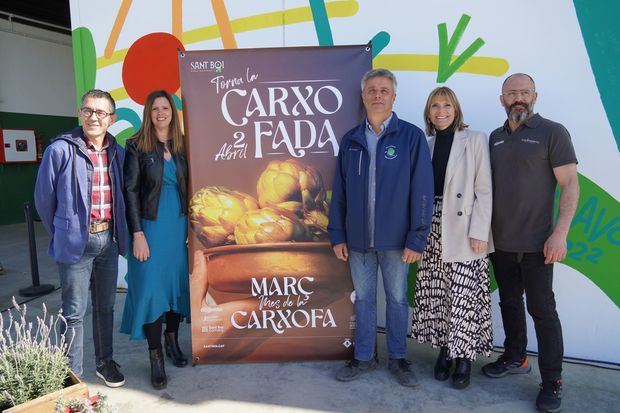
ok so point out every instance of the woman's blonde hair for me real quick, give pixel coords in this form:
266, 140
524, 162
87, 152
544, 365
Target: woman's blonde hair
146, 137
449, 94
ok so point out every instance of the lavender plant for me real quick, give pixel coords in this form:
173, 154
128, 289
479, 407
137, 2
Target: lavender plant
33, 359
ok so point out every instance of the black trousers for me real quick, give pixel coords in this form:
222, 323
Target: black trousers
517, 273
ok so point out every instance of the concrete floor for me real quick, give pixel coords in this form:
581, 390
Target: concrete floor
294, 387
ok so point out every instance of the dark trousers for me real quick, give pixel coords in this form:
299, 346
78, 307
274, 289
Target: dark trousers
527, 272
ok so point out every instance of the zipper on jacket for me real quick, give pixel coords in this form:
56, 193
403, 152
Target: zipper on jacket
75, 182
365, 203
111, 173
359, 167
90, 195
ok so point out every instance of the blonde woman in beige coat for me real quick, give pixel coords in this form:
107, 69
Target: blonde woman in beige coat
452, 306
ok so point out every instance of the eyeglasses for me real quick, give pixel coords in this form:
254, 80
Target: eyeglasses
100, 114
513, 94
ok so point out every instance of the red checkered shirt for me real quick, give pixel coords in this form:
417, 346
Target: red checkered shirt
101, 191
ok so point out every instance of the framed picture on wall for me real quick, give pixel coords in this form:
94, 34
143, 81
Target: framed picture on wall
17, 145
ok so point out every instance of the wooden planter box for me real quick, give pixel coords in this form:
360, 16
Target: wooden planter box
74, 389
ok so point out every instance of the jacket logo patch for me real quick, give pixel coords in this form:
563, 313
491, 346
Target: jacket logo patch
527, 140
498, 143
390, 152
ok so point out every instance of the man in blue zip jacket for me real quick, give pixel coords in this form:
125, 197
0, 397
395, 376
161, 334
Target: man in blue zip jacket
380, 215
79, 197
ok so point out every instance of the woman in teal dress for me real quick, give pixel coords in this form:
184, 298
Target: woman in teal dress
155, 173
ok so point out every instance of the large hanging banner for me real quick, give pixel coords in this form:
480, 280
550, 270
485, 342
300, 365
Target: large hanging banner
263, 129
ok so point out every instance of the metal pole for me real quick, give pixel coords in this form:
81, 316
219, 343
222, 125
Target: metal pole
36, 288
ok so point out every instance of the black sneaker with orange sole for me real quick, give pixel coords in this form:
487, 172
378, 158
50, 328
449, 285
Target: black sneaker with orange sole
503, 366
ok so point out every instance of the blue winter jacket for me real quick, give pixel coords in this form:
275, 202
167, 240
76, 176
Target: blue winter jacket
404, 190
63, 198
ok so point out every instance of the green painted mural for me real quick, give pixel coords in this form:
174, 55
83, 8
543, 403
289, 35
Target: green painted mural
84, 61
448, 64
599, 27
594, 238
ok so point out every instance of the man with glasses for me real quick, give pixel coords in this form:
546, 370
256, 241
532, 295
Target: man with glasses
79, 197
530, 156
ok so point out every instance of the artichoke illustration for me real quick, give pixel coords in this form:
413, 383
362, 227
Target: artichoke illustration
270, 225
214, 212
317, 224
292, 186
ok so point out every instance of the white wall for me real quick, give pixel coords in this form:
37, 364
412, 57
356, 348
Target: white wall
547, 44
36, 71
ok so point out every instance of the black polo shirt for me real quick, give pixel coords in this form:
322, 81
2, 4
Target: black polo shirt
523, 181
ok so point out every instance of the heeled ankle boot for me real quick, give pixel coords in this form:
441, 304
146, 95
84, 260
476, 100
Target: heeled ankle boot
171, 344
443, 365
462, 371
158, 372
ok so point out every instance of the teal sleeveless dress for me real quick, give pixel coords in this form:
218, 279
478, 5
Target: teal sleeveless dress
161, 283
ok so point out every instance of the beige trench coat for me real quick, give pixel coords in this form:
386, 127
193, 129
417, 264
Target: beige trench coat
467, 197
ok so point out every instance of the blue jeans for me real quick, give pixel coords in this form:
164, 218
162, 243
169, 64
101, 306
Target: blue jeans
96, 270
364, 268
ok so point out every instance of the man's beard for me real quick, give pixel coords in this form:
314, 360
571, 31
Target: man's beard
519, 116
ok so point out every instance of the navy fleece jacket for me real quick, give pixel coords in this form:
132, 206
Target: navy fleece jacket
404, 190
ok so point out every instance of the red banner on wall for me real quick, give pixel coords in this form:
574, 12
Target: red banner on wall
263, 129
